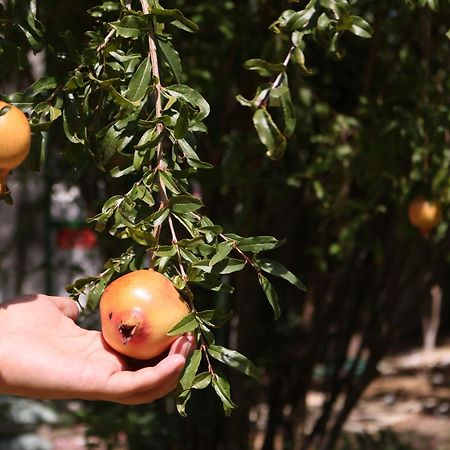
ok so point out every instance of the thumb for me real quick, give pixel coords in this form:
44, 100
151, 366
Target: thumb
67, 306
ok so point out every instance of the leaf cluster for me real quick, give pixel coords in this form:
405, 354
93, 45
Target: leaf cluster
125, 109
320, 21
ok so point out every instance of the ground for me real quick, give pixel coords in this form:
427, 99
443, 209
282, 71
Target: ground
411, 398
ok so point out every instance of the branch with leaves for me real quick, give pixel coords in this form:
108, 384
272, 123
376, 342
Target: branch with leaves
322, 21
124, 107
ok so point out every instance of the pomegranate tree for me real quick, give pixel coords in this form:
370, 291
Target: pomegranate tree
126, 113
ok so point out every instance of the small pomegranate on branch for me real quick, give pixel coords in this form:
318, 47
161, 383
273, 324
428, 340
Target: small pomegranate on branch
425, 215
15, 141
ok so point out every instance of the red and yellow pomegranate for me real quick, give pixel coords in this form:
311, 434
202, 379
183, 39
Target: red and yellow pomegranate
424, 214
15, 140
138, 310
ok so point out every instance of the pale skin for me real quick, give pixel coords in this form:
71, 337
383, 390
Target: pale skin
44, 354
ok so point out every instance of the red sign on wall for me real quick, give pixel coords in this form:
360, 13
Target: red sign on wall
67, 238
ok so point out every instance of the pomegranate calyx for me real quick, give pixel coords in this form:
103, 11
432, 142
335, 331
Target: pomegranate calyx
127, 330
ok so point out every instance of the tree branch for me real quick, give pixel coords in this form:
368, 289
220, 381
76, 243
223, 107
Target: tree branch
153, 55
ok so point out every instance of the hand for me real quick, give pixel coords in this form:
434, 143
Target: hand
44, 354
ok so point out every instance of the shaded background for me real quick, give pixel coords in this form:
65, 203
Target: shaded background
372, 134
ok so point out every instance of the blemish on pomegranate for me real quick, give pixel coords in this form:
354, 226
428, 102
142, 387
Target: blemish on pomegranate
110, 315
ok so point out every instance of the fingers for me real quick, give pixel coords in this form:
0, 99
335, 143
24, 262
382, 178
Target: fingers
151, 383
184, 345
152, 394
67, 306
146, 384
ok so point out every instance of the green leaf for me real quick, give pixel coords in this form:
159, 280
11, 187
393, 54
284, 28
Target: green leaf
299, 58
121, 101
227, 265
149, 139
188, 323
169, 182
73, 123
223, 249
116, 172
256, 244
41, 85
187, 381
235, 360
78, 286
139, 81
222, 388
111, 140
291, 20
433, 5
191, 369
93, 296
171, 58
201, 380
166, 250
289, 118
181, 402
360, 27
182, 124
324, 22
189, 95
215, 317
271, 295
160, 216
278, 270
131, 26
174, 16
197, 164
183, 204
264, 68
211, 231
210, 281
187, 150
269, 134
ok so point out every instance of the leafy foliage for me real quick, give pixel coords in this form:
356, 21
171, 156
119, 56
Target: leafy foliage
124, 107
354, 128
319, 20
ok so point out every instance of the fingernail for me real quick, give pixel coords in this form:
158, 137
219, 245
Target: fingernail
190, 337
186, 349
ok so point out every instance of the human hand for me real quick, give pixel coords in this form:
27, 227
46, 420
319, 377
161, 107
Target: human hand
44, 354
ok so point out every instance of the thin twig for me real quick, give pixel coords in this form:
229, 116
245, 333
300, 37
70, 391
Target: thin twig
175, 242
204, 349
244, 256
278, 79
153, 55
106, 41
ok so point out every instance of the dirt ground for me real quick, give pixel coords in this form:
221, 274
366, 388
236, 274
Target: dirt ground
411, 398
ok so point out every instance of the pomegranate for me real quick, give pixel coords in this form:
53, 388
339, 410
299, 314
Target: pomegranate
424, 214
15, 140
15, 136
137, 311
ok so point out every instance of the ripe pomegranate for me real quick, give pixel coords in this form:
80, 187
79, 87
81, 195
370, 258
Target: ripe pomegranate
15, 140
15, 136
138, 310
424, 214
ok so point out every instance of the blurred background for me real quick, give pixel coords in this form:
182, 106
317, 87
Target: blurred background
359, 361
